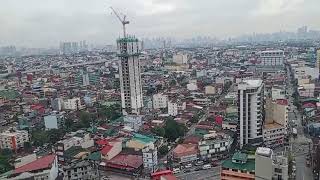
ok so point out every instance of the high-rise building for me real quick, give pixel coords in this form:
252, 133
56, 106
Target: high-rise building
72, 47
318, 60
130, 77
250, 108
274, 58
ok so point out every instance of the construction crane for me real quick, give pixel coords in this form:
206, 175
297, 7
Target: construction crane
123, 21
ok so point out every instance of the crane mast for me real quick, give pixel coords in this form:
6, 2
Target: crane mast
123, 21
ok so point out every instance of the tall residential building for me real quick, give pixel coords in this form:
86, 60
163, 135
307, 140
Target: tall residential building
268, 166
318, 60
13, 139
130, 77
150, 158
273, 58
55, 120
250, 108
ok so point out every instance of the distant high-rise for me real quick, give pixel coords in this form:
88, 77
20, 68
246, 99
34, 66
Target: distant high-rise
318, 59
73, 47
272, 59
250, 107
130, 78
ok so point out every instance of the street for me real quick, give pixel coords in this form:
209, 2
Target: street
299, 146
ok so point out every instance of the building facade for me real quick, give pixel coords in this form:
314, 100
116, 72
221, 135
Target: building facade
273, 58
13, 139
239, 167
159, 101
172, 108
80, 170
213, 145
250, 108
269, 166
54, 121
130, 77
150, 159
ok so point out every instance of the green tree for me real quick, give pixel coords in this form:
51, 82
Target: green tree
163, 150
68, 124
158, 131
111, 112
195, 118
173, 130
55, 135
85, 119
172, 82
5, 157
39, 137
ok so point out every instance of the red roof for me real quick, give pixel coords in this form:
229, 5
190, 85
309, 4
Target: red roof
169, 177
125, 161
308, 105
161, 172
106, 149
192, 139
185, 150
44, 162
282, 102
102, 142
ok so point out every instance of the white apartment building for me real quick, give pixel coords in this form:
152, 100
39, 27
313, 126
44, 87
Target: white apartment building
213, 144
72, 104
273, 58
268, 166
306, 90
318, 60
250, 105
180, 58
13, 139
192, 86
133, 121
150, 158
278, 93
172, 108
159, 101
85, 141
130, 77
54, 121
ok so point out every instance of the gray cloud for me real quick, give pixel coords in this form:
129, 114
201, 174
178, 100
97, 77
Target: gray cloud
44, 23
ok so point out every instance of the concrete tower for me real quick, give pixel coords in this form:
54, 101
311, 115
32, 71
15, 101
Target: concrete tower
130, 78
250, 108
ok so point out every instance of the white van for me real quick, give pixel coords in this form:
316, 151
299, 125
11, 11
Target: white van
176, 170
206, 166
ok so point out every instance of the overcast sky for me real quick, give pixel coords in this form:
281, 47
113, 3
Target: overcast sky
44, 23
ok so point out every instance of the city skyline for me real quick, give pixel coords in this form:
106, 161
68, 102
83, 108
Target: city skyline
45, 24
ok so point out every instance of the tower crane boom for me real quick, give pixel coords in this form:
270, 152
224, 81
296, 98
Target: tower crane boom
123, 21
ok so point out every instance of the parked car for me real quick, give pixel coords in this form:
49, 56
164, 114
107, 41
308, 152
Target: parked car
188, 166
199, 163
206, 166
187, 170
176, 170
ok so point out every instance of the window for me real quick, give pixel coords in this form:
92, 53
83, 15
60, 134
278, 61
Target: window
277, 170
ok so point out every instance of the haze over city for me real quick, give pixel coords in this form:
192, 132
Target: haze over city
39, 23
